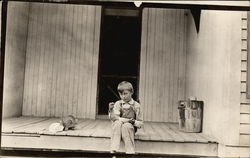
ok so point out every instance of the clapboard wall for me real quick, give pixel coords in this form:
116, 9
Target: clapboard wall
213, 72
16, 37
245, 102
62, 60
163, 62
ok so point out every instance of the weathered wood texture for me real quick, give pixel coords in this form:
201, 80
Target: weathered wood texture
62, 60
163, 62
154, 138
245, 81
214, 70
16, 37
151, 131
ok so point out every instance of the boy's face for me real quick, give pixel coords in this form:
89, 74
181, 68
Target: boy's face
126, 95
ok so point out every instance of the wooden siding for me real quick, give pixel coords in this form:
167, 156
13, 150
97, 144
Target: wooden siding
163, 62
16, 37
62, 60
245, 81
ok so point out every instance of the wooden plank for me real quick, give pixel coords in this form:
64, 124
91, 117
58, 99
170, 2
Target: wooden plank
89, 55
101, 131
244, 34
187, 136
176, 65
95, 50
41, 61
37, 52
243, 76
245, 109
173, 133
171, 66
38, 128
77, 60
143, 56
85, 16
244, 44
164, 136
64, 65
245, 140
244, 15
84, 144
167, 64
32, 126
55, 49
73, 66
81, 100
89, 129
21, 123
60, 53
155, 66
29, 65
151, 133
182, 59
161, 82
244, 55
245, 129
245, 118
243, 65
71, 55
243, 87
244, 24
147, 113
243, 99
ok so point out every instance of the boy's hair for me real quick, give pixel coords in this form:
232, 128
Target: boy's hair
125, 85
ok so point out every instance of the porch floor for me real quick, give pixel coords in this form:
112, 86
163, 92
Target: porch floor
20, 132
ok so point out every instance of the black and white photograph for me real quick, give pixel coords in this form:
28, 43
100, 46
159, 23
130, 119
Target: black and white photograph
125, 78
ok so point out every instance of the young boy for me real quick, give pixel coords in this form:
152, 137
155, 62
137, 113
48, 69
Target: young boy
126, 117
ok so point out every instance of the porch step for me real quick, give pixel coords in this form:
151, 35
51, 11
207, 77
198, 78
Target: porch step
94, 136
101, 145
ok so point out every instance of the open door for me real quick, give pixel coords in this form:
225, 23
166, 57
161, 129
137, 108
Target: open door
119, 54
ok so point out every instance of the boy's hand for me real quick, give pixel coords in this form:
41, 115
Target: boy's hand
111, 106
132, 121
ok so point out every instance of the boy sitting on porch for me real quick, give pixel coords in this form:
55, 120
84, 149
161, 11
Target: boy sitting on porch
126, 117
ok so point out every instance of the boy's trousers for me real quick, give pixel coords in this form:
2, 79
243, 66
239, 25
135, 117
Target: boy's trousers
124, 131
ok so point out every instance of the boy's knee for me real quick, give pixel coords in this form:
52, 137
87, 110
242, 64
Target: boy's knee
117, 123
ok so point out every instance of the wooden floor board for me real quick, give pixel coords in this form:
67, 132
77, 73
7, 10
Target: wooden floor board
163, 134
23, 122
7, 123
151, 131
176, 136
32, 126
101, 129
185, 136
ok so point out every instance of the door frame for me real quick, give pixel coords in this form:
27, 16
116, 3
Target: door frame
101, 45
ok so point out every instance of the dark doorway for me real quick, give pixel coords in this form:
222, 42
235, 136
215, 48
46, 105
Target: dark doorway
119, 54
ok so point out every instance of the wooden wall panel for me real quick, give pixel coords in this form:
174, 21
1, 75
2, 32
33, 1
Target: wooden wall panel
245, 81
62, 60
16, 37
162, 67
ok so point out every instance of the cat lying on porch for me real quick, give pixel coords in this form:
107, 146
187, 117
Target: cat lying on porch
66, 123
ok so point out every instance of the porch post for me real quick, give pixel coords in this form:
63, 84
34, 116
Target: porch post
2, 56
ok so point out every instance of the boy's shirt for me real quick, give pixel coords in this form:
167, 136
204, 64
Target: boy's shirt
121, 106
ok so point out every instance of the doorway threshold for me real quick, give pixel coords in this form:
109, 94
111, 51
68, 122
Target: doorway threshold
103, 117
